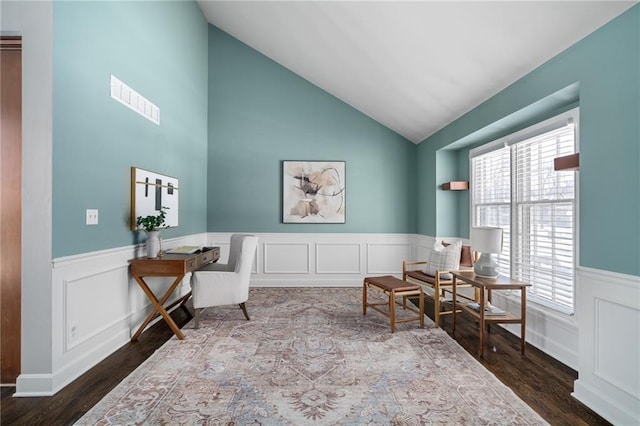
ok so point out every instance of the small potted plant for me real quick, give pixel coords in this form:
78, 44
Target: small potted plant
152, 225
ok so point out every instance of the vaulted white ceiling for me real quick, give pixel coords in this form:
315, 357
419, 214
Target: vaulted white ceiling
413, 66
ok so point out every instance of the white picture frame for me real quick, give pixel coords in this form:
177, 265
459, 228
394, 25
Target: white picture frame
151, 191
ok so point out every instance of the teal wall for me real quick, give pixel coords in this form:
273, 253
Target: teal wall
463, 198
260, 113
447, 201
606, 66
229, 116
160, 50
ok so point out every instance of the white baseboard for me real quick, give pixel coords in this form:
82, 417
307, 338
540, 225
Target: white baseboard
606, 405
30, 385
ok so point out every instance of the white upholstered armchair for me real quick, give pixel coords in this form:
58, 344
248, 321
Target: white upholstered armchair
220, 284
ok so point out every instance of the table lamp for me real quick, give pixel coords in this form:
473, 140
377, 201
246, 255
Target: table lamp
488, 242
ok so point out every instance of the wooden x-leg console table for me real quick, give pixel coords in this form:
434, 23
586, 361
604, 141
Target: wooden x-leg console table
169, 265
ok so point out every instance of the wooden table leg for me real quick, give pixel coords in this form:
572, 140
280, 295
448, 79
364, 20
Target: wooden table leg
364, 297
489, 300
482, 305
392, 310
158, 307
455, 297
421, 308
523, 317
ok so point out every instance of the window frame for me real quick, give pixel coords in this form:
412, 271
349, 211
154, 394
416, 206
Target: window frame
509, 141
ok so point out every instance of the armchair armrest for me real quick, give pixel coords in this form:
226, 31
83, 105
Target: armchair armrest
407, 263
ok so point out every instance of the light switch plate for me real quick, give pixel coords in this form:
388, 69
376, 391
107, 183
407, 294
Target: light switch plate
92, 216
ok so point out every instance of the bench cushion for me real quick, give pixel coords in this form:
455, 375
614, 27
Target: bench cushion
389, 283
421, 276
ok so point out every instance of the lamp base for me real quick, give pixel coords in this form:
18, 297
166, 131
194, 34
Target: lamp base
486, 266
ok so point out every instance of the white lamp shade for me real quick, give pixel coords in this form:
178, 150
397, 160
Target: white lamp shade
486, 239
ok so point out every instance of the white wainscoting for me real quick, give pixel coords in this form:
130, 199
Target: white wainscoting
322, 260
97, 306
609, 340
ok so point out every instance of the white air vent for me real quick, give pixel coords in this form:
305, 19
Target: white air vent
134, 100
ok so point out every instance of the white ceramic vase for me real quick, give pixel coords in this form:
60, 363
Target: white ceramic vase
153, 244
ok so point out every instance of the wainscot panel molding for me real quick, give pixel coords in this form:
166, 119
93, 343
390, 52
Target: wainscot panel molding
384, 258
323, 260
338, 258
287, 258
609, 341
96, 308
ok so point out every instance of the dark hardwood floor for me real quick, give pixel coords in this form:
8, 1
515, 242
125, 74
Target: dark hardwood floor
539, 380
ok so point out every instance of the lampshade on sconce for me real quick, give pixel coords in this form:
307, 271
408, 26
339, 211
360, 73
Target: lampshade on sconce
488, 242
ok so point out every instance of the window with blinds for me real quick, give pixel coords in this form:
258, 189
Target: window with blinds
514, 186
491, 194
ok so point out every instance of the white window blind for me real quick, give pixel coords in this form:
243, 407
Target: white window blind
516, 188
491, 189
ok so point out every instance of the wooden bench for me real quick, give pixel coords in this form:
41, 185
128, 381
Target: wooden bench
393, 287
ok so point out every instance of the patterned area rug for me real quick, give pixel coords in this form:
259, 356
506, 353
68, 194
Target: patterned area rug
309, 356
